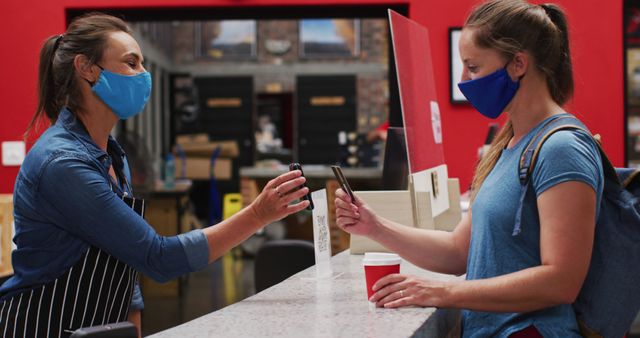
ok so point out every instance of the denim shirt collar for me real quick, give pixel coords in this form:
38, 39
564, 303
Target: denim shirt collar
68, 121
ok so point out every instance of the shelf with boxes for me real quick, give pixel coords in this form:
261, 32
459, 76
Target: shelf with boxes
194, 155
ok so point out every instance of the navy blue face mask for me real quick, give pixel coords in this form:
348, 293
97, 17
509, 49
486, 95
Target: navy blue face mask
490, 94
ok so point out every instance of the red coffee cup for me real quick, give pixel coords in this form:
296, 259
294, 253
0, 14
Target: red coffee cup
378, 265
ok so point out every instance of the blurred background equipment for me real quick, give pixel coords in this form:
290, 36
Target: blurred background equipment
279, 259
356, 151
395, 171
494, 128
141, 162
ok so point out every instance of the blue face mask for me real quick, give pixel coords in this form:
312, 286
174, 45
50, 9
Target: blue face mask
126, 95
490, 94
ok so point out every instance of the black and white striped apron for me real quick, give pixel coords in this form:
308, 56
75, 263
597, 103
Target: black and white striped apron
97, 290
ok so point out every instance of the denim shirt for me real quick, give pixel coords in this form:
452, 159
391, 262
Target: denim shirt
64, 203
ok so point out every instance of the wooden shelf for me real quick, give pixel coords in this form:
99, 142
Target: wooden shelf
6, 228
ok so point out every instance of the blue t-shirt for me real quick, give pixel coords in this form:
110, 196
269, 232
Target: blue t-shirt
494, 251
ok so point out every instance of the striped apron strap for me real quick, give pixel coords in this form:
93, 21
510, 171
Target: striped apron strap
97, 290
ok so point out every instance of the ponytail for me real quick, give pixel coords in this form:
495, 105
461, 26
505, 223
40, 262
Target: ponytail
560, 81
47, 101
57, 84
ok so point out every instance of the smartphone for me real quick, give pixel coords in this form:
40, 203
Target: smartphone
116, 330
337, 171
297, 166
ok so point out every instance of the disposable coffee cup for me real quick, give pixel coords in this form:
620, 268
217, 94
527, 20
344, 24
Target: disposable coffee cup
378, 265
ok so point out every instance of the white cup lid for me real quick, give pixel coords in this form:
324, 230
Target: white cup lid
380, 258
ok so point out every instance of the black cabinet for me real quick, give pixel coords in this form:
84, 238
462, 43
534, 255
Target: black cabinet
326, 106
226, 112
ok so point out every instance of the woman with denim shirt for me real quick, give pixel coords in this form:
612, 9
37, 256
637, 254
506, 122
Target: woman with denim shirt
518, 283
81, 240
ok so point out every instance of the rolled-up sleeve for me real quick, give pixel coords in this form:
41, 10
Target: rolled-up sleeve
196, 247
82, 202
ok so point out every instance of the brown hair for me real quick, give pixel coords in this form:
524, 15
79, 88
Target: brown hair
57, 84
512, 26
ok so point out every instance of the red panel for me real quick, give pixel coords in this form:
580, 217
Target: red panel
597, 53
596, 35
417, 92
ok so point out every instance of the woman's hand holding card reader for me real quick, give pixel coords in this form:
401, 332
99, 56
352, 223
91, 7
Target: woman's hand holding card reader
337, 171
297, 166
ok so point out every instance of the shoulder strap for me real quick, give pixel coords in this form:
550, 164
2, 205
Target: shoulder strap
561, 122
530, 154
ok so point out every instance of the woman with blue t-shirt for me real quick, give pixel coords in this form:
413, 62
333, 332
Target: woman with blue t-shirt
516, 60
80, 233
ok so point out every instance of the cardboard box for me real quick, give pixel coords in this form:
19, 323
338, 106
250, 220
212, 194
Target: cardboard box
249, 190
162, 214
6, 234
228, 149
200, 145
198, 168
192, 138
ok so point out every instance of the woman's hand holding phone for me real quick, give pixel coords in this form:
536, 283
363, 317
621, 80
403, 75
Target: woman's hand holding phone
353, 215
274, 202
307, 197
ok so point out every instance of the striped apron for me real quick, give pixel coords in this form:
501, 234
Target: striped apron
96, 290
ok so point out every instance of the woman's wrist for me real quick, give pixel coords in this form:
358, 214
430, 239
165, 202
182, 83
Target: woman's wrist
377, 229
448, 298
255, 219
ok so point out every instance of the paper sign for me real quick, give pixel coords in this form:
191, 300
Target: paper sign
436, 125
321, 235
417, 88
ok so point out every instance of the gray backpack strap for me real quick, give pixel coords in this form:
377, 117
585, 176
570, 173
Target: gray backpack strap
530, 155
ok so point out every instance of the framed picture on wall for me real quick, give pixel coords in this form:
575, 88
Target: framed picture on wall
226, 40
455, 66
329, 38
633, 76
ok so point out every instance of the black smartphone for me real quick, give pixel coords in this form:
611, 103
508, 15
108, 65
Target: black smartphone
116, 330
337, 171
297, 166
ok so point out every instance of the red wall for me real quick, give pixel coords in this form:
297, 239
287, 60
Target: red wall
596, 33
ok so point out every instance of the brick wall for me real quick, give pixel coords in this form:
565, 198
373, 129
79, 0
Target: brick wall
373, 43
278, 43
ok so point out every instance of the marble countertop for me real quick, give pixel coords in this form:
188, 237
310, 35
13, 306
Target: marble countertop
303, 306
312, 171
